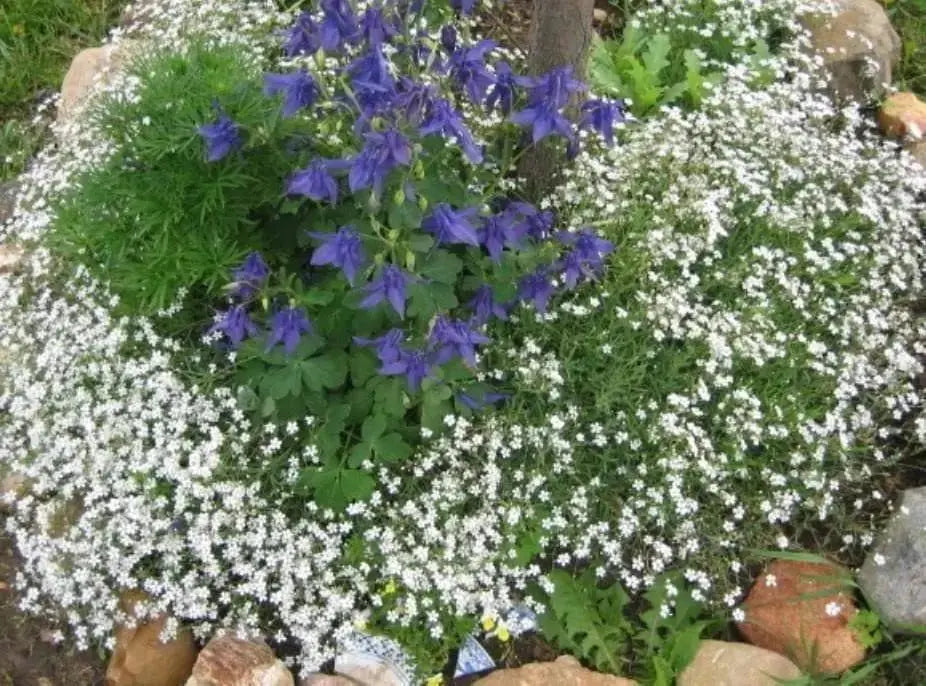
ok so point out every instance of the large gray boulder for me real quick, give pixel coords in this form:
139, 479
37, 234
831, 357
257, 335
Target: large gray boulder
893, 577
858, 46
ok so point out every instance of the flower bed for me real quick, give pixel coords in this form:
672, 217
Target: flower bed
422, 399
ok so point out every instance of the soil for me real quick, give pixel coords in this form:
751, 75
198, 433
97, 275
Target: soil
27, 656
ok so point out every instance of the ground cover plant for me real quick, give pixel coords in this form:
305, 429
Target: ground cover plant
308, 362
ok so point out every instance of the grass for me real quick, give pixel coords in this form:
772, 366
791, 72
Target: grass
909, 19
38, 39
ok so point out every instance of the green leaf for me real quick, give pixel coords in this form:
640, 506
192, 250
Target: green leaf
656, 56
389, 396
335, 487
420, 242
325, 371
359, 453
391, 448
442, 266
602, 68
427, 299
248, 400
362, 366
405, 217
280, 382
373, 427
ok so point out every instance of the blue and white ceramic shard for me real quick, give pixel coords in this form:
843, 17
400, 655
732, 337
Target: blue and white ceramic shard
472, 658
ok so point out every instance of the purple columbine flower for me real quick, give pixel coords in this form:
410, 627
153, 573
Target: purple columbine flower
574, 268
299, 90
485, 307
250, 276
445, 120
388, 346
468, 68
414, 99
236, 324
221, 137
499, 231
390, 286
342, 249
316, 181
382, 153
448, 38
590, 247
452, 338
544, 120
601, 115
372, 81
339, 24
503, 90
303, 37
451, 226
534, 223
375, 28
536, 288
287, 327
416, 365
463, 6
555, 88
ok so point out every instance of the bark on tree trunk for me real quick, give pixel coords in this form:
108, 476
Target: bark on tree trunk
561, 33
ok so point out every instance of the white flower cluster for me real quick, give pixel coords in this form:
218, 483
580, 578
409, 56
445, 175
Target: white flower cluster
138, 479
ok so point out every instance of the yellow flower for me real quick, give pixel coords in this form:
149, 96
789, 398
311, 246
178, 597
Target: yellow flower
435, 680
390, 588
502, 633
488, 623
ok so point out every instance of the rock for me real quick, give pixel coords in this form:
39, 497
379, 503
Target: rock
11, 256
565, 671
141, 659
903, 115
231, 661
859, 48
86, 68
722, 663
917, 150
8, 192
893, 577
802, 610
327, 680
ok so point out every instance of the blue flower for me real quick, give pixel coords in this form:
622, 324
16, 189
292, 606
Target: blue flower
221, 137
555, 88
503, 90
250, 276
445, 120
416, 365
390, 286
414, 99
343, 249
236, 324
451, 226
374, 27
544, 119
382, 153
388, 346
453, 338
316, 181
590, 247
536, 224
339, 24
468, 68
299, 90
372, 81
287, 327
536, 288
601, 115
498, 231
484, 306
448, 38
302, 38
463, 6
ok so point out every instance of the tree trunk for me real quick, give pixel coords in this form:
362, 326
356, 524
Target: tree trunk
561, 33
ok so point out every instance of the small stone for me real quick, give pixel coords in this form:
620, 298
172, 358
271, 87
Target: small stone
859, 48
87, 67
917, 150
141, 659
368, 670
802, 610
565, 671
897, 587
11, 256
903, 115
231, 661
723, 663
327, 680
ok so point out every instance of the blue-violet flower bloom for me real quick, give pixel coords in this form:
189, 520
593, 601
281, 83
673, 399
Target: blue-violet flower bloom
414, 99
221, 137
372, 81
555, 88
503, 90
536, 224
453, 338
339, 24
390, 285
342, 249
250, 276
299, 90
416, 365
468, 68
448, 38
588, 246
463, 6
544, 120
388, 346
601, 115
236, 324
382, 153
445, 120
287, 327
375, 28
536, 288
316, 181
451, 226
498, 231
485, 307
302, 38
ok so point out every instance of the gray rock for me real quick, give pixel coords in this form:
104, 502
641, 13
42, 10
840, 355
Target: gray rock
721, 663
859, 48
893, 577
8, 191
